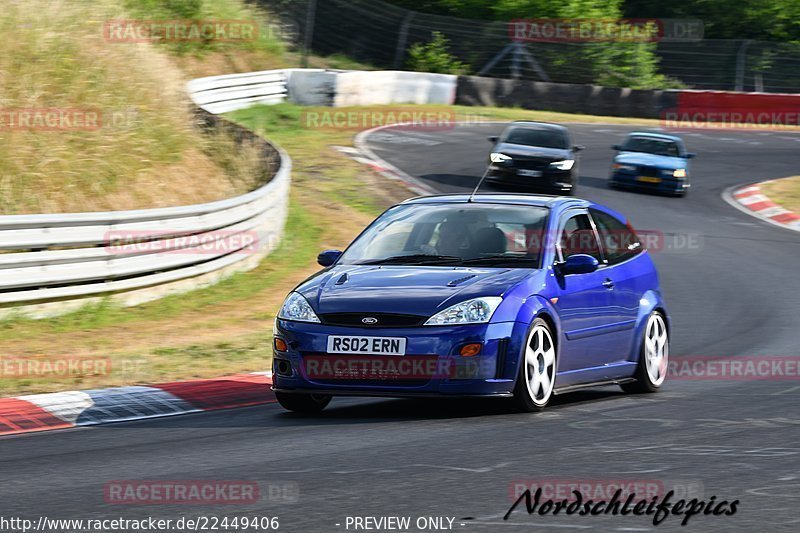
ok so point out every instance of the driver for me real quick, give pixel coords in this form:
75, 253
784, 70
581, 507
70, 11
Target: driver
454, 238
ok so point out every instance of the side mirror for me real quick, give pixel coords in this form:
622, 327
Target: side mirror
493, 139
579, 264
328, 257
690, 155
578, 148
617, 147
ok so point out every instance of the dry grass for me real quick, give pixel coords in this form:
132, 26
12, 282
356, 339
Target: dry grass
146, 151
785, 192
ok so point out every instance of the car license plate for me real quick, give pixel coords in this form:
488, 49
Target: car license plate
531, 173
648, 179
366, 345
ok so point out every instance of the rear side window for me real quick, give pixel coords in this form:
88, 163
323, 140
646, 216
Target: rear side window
619, 241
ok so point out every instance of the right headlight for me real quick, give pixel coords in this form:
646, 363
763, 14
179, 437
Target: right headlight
620, 166
475, 311
497, 157
679, 173
298, 309
566, 164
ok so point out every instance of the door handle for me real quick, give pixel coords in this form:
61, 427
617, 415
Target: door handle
608, 283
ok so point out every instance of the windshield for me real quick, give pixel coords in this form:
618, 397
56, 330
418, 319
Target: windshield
651, 145
452, 235
544, 137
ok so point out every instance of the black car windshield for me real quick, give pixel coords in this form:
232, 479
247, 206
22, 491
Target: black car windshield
531, 136
651, 145
474, 234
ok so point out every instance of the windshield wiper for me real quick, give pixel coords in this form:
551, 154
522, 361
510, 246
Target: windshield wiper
417, 259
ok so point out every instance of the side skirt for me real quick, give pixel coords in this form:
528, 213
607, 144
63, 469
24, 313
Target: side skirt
579, 386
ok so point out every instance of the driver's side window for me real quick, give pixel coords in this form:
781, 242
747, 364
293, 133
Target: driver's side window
577, 237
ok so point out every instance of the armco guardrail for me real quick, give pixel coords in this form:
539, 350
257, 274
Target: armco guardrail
54, 262
220, 94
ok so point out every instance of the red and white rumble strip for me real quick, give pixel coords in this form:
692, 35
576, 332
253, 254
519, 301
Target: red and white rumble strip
59, 410
752, 200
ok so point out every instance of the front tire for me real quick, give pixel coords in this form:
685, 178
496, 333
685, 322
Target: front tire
653, 357
537, 374
303, 403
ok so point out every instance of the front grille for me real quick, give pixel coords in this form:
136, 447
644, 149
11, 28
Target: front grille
649, 171
384, 320
531, 163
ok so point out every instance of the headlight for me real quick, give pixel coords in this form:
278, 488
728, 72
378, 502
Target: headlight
297, 308
563, 165
497, 157
679, 173
620, 166
477, 311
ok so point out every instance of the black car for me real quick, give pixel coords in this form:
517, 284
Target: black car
534, 155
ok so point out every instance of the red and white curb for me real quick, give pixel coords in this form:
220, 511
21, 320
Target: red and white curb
59, 410
753, 201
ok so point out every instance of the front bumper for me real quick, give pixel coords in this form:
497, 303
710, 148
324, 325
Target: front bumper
551, 179
665, 184
490, 373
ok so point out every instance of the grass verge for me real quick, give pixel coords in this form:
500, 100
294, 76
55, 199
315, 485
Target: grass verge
784, 192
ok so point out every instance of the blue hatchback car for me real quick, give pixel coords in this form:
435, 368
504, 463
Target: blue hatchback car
497, 295
651, 161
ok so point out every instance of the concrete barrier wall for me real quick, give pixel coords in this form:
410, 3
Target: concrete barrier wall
393, 87
563, 97
311, 86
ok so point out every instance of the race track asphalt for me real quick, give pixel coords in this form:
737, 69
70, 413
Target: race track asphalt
732, 293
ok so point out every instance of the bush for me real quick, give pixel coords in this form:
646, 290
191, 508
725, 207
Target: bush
434, 56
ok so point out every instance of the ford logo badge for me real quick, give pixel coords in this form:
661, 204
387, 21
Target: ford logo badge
369, 320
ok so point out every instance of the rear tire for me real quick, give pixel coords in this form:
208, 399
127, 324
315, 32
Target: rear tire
651, 371
303, 403
537, 370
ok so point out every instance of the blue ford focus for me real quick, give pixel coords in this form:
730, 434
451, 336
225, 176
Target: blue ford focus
498, 295
651, 161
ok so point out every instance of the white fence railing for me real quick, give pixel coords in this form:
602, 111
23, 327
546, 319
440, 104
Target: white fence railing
84, 254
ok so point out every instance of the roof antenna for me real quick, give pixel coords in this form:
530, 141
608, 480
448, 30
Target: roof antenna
478, 186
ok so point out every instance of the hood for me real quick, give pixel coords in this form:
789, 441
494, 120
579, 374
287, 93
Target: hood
410, 290
522, 150
661, 161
